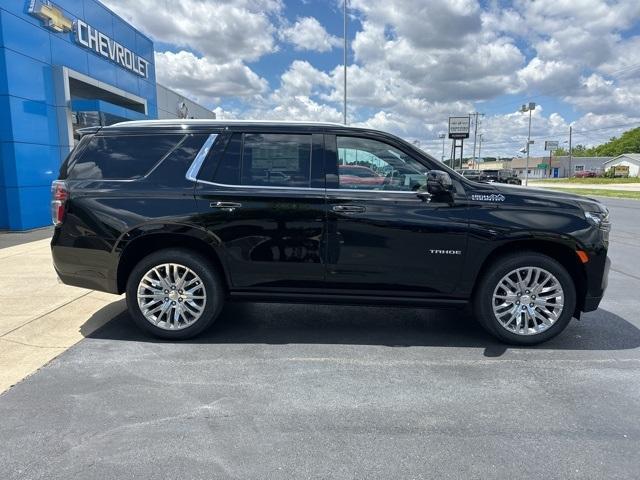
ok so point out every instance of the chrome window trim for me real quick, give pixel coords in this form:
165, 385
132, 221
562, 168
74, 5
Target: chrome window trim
270, 187
304, 189
196, 165
347, 190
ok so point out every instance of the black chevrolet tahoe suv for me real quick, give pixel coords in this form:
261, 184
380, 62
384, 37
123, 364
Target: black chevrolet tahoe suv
186, 215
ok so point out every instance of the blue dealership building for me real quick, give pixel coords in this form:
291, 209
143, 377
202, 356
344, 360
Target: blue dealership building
64, 65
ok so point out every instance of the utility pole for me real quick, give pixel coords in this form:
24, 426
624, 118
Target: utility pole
442, 136
479, 151
475, 114
528, 108
344, 114
570, 152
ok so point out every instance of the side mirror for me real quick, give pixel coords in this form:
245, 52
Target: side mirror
439, 182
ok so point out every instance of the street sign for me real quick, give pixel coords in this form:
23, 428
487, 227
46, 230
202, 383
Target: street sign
550, 145
543, 166
459, 127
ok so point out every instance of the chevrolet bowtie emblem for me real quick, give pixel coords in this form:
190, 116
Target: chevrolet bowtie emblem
52, 16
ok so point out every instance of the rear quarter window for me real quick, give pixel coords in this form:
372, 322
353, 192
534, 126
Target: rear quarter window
122, 157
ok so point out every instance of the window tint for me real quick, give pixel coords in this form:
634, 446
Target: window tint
228, 171
365, 164
266, 159
122, 157
276, 160
71, 158
173, 169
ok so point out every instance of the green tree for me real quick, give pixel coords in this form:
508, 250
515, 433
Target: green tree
629, 142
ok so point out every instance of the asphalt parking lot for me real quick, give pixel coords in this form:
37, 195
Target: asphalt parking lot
279, 391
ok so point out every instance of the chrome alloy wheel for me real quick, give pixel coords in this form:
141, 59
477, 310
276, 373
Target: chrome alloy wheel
528, 300
171, 296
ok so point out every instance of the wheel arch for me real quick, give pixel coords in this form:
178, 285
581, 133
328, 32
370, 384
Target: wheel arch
561, 252
141, 244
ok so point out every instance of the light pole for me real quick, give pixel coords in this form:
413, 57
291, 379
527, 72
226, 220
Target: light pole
570, 151
475, 135
528, 108
344, 114
442, 136
479, 150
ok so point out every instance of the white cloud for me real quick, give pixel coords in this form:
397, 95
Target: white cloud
415, 62
204, 79
433, 24
303, 79
292, 100
308, 34
601, 96
223, 31
549, 75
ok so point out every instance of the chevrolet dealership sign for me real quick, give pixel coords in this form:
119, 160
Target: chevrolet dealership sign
54, 18
89, 37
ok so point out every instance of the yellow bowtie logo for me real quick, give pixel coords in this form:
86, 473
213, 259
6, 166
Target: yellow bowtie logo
52, 16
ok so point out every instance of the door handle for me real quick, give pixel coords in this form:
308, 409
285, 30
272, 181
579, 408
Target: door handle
227, 206
349, 209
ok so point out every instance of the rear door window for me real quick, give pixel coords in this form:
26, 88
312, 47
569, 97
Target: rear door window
122, 157
266, 159
276, 160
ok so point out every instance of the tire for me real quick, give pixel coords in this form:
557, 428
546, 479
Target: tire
538, 330
197, 310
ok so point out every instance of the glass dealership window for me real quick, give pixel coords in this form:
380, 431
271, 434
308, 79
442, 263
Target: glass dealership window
366, 164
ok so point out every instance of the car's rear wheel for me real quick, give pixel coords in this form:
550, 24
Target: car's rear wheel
174, 293
525, 299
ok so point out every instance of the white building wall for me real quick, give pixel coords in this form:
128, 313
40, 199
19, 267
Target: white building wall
173, 105
634, 168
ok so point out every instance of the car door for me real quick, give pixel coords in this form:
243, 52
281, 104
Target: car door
382, 235
261, 194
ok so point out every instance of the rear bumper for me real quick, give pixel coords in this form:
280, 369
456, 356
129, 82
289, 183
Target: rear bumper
85, 268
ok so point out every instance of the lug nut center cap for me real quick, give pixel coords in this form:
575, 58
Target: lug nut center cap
173, 295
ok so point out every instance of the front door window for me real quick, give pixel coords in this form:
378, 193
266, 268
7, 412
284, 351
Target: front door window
366, 164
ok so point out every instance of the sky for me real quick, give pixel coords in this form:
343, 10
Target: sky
410, 64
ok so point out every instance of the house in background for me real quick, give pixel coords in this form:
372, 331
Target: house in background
569, 167
630, 160
545, 167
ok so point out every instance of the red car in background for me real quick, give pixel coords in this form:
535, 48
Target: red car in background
359, 176
586, 174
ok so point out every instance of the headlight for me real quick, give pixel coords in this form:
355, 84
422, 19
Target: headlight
598, 219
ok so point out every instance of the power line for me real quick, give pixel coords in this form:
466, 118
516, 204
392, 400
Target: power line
551, 93
575, 133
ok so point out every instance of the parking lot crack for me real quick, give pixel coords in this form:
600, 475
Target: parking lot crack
45, 314
54, 347
625, 273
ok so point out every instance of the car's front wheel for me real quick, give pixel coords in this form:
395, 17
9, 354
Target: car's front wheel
525, 299
174, 293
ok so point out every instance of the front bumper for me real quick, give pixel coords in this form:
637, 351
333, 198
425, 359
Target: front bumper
596, 290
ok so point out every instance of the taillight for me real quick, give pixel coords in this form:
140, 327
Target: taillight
59, 196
